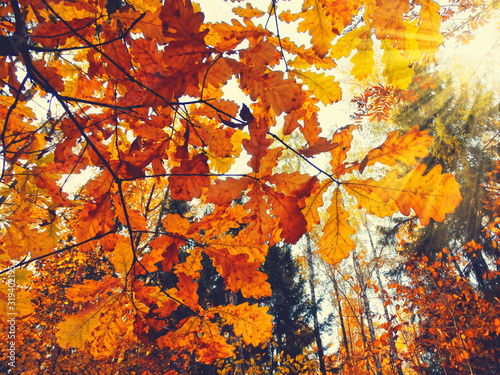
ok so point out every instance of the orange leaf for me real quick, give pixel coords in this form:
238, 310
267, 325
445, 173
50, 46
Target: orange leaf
312, 204
187, 290
406, 148
274, 91
122, 257
291, 219
251, 322
90, 290
295, 184
200, 337
240, 274
317, 23
343, 139
189, 183
260, 223
428, 35
430, 196
248, 12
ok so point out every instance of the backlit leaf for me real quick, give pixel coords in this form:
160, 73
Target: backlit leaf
431, 196
251, 322
336, 242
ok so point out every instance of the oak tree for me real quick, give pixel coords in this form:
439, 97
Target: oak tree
128, 101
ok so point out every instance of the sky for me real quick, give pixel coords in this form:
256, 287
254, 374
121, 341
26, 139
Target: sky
480, 59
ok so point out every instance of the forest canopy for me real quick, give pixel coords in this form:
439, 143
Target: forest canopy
156, 167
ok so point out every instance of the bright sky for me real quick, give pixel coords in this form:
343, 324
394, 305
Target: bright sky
480, 58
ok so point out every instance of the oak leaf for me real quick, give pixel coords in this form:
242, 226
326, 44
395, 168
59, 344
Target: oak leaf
187, 180
274, 91
240, 274
397, 67
431, 196
347, 43
317, 23
248, 12
363, 59
200, 336
405, 149
76, 330
324, 87
187, 290
122, 257
342, 138
91, 290
22, 307
336, 243
251, 322
428, 35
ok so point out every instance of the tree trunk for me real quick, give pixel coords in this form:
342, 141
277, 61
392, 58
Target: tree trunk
317, 333
396, 363
341, 316
366, 305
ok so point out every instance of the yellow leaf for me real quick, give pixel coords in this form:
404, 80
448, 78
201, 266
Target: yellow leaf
75, 330
324, 87
14, 300
397, 67
336, 242
22, 275
220, 165
373, 204
363, 59
318, 25
412, 49
347, 43
122, 257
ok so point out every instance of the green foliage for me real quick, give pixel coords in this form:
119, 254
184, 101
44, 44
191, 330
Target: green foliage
464, 123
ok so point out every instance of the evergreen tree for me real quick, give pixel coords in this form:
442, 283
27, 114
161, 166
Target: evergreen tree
465, 126
288, 304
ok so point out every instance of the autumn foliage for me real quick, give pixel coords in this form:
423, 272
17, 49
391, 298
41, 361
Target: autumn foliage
135, 115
